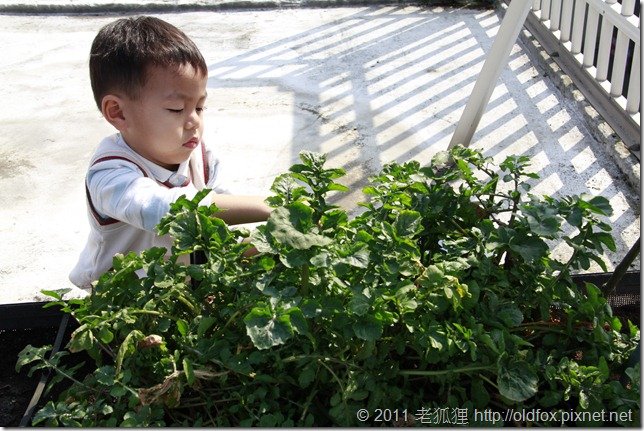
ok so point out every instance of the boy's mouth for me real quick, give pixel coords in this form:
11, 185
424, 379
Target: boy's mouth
192, 143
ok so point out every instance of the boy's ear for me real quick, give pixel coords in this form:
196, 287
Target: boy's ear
112, 109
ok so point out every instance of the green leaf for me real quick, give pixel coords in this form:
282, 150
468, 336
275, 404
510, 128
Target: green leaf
404, 296
189, 371
575, 217
307, 375
185, 231
338, 187
333, 219
464, 168
510, 315
287, 190
261, 241
480, 396
127, 348
368, 328
106, 410
432, 277
297, 320
164, 324
542, 219
408, 223
604, 238
105, 335
267, 263
310, 308
359, 259
82, 339
118, 391
321, 260
441, 159
530, 248
105, 375
310, 159
205, 323
604, 371
56, 294
31, 354
359, 304
287, 225
517, 381
550, 398
598, 205
182, 327
296, 258
49, 411
267, 330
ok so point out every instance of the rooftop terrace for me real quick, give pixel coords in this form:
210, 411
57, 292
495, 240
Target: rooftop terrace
366, 84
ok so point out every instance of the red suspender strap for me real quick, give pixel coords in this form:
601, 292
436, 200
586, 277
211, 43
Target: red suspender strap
106, 158
169, 185
104, 221
206, 171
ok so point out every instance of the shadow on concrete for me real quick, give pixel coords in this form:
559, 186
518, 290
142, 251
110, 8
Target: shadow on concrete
389, 83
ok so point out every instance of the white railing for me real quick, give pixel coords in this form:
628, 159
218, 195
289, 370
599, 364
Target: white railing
604, 37
597, 43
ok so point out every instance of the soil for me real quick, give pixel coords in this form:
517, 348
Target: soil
16, 389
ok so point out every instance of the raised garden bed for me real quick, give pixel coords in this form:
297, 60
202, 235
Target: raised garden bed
436, 297
30, 323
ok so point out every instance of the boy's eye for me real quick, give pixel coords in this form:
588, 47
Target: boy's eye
176, 111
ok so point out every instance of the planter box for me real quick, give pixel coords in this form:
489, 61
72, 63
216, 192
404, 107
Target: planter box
20, 325
29, 323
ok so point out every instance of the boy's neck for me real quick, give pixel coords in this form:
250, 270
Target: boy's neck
172, 168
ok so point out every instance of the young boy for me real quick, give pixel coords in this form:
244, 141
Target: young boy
149, 82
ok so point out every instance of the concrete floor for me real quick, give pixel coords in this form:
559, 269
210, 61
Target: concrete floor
366, 84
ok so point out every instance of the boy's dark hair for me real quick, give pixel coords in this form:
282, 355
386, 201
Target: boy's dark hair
124, 49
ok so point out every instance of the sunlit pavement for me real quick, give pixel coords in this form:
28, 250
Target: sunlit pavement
365, 84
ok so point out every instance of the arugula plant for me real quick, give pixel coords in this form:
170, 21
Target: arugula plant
442, 293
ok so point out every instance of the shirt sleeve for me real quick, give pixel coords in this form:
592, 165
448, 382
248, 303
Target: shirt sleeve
118, 189
216, 180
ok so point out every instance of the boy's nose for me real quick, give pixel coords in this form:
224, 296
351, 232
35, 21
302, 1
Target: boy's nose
193, 121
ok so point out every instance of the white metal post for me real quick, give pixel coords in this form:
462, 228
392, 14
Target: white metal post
497, 58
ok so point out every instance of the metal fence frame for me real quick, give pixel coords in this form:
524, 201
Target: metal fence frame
598, 46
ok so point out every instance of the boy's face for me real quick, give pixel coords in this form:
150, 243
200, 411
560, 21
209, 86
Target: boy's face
164, 123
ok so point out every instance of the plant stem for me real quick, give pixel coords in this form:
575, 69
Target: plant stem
187, 303
307, 404
429, 373
233, 317
573, 257
515, 201
68, 376
482, 377
335, 376
305, 280
320, 358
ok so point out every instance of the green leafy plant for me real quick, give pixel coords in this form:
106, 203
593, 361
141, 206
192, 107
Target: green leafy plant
441, 294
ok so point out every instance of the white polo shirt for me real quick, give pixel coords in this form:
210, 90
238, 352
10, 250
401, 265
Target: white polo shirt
127, 195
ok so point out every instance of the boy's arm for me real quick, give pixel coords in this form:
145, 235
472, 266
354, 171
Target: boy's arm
119, 190
240, 209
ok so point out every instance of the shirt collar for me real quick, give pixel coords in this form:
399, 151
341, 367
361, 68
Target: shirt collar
178, 178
